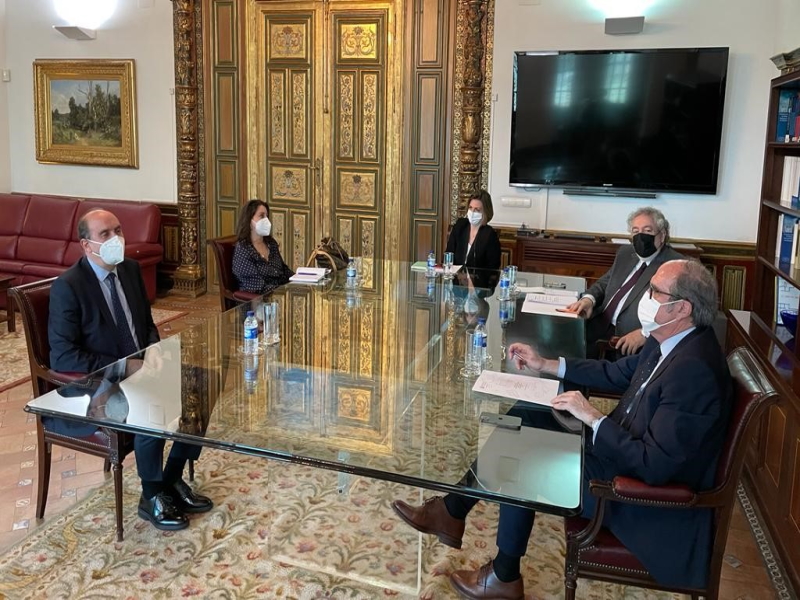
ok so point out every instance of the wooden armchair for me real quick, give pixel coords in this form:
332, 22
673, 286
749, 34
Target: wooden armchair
229, 293
594, 552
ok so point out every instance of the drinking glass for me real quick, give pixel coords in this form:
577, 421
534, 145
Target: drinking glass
512, 279
272, 330
448, 264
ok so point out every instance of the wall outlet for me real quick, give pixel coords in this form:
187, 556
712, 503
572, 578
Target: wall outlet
515, 201
6, 74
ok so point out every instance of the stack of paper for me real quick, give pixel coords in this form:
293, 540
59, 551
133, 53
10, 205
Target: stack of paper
546, 301
309, 275
422, 265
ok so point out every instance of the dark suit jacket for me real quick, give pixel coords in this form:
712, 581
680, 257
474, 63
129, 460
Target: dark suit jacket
82, 333
485, 251
604, 288
675, 436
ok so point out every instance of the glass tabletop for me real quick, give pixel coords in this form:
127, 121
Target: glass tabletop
365, 379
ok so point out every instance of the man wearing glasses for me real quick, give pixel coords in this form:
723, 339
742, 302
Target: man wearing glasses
668, 427
610, 304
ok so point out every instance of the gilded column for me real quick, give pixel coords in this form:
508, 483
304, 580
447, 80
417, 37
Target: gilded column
471, 89
189, 277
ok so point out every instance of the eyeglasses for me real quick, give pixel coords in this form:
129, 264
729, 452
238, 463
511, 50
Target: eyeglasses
654, 290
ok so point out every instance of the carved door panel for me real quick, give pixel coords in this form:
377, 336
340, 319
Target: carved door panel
321, 96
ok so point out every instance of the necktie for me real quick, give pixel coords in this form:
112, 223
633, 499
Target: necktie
126, 341
627, 405
608, 312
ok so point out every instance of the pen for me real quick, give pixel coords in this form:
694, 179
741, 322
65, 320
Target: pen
523, 365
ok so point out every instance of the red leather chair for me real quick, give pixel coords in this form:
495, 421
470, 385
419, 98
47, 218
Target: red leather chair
594, 553
229, 293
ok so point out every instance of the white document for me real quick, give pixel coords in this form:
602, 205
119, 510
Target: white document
620, 241
309, 275
518, 387
540, 308
569, 294
549, 298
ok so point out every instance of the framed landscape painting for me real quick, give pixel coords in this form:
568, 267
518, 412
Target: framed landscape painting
86, 112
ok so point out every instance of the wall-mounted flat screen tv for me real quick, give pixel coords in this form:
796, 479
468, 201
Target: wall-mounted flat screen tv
636, 120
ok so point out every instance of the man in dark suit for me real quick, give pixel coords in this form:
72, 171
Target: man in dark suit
99, 313
610, 304
669, 427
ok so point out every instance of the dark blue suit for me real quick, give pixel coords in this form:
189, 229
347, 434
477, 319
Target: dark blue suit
675, 435
83, 339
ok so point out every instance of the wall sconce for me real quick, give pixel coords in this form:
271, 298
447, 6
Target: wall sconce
624, 25
74, 32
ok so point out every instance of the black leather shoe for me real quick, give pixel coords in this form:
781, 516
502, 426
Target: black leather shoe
187, 500
160, 510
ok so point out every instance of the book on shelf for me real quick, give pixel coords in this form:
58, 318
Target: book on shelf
788, 125
790, 182
786, 246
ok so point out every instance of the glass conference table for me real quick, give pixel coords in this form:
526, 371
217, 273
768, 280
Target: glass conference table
365, 381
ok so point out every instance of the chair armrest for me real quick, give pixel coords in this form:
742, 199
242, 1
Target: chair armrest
64, 377
633, 491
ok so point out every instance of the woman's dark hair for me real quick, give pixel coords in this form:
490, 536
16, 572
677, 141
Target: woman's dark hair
245, 216
486, 200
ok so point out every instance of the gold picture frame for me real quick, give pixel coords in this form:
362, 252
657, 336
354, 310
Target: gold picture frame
86, 112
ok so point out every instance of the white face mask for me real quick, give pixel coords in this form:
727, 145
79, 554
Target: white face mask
112, 251
474, 218
648, 309
264, 226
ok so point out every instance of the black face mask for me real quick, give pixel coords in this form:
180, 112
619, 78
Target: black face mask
644, 244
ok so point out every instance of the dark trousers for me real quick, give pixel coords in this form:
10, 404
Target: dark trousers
150, 455
516, 523
149, 450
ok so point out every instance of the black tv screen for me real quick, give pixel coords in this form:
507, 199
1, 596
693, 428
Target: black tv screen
639, 120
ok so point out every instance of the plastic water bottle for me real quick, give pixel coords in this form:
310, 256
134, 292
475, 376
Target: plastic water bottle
351, 269
479, 341
505, 313
251, 333
431, 267
431, 289
505, 283
250, 373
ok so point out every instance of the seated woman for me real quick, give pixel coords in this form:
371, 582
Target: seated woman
257, 262
472, 242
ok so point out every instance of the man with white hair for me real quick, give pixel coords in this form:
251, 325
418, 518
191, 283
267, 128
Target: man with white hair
609, 305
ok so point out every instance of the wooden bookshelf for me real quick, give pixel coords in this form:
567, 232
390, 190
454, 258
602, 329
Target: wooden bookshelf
772, 464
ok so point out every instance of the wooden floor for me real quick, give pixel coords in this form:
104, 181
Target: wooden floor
75, 475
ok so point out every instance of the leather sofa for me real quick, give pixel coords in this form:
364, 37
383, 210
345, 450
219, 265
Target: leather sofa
39, 238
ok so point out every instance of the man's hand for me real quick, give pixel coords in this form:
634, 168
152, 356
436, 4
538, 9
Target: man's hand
525, 356
582, 307
577, 405
630, 343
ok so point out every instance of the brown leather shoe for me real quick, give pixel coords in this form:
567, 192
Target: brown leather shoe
432, 517
484, 584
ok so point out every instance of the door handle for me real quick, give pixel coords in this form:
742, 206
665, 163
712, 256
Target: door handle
317, 168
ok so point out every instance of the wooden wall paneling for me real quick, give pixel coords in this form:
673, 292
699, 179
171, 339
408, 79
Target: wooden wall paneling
431, 25
776, 434
224, 101
171, 240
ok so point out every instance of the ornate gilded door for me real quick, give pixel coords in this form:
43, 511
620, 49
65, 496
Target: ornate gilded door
323, 100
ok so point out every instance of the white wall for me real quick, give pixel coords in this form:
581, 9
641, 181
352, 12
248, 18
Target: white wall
5, 164
787, 38
144, 34
750, 30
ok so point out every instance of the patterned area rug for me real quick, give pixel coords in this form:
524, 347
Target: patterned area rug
14, 352
277, 531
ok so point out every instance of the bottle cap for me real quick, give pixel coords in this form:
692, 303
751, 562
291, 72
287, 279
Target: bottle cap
250, 313
482, 321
